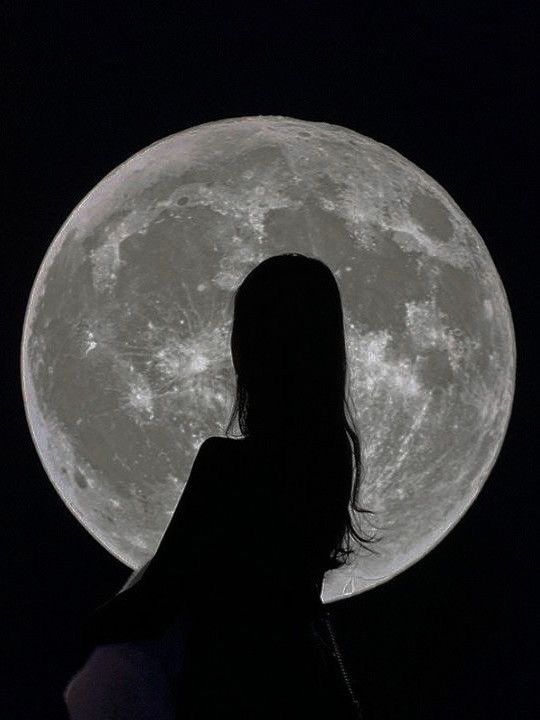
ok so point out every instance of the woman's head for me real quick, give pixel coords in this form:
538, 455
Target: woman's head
288, 345
289, 355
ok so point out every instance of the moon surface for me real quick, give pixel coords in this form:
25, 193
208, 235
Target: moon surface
125, 356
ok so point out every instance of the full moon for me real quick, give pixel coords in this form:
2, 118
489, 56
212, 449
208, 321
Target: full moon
125, 355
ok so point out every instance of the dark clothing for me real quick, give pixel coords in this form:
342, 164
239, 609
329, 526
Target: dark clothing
243, 560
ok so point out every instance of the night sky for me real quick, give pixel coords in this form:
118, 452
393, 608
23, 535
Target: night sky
453, 636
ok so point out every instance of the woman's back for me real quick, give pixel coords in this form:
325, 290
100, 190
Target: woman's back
254, 528
252, 645
282, 509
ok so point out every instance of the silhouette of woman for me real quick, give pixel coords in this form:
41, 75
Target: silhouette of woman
225, 619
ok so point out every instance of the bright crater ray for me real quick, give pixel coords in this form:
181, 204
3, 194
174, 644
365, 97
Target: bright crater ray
125, 357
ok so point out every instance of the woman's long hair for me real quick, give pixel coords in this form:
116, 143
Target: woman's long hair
289, 354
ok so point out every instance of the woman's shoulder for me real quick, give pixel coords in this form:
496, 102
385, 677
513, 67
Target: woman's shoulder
220, 451
221, 443
222, 439
214, 444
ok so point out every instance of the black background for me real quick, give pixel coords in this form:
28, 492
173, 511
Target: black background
451, 90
